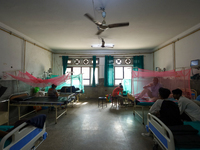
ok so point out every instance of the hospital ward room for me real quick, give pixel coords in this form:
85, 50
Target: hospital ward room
100, 75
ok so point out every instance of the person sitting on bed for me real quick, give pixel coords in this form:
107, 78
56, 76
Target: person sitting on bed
167, 111
151, 90
189, 110
163, 95
52, 92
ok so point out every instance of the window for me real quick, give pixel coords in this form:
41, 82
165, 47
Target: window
87, 74
96, 75
122, 73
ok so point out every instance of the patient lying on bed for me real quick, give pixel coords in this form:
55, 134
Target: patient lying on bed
151, 90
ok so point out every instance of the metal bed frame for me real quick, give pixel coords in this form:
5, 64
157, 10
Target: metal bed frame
54, 104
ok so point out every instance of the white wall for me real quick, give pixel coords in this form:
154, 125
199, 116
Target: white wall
57, 65
164, 58
11, 52
186, 49
37, 60
148, 61
12, 48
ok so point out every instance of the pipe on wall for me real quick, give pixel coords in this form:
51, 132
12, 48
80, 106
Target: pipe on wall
24, 68
178, 39
174, 55
11, 33
153, 62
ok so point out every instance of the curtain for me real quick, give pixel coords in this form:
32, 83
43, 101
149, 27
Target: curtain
64, 61
109, 71
77, 81
127, 85
138, 62
94, 66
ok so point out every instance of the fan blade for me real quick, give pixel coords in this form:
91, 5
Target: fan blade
118, 25
92, 19
99, 32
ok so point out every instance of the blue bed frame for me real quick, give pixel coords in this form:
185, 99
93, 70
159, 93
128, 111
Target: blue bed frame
23, 137
163, 136
144, 104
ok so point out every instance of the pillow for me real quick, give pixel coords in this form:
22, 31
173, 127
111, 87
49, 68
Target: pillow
23, 98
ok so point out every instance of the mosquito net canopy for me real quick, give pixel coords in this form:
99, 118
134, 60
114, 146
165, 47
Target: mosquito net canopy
168, 79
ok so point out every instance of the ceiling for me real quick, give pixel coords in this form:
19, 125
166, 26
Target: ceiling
61, 24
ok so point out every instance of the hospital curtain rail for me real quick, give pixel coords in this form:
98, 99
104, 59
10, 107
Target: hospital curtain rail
94, 67
64, 61
138, 62
109, 71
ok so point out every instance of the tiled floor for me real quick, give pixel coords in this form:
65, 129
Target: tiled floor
87, 127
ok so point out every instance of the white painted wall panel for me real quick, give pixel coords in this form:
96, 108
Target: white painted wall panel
187, 49
164, 58
57, 65
148, 61
11, 53
37, 60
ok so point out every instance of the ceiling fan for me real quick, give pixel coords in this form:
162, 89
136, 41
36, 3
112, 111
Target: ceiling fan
103, 26
103, 45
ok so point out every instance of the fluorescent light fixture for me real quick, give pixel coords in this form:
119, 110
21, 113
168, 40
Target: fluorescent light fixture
105, 46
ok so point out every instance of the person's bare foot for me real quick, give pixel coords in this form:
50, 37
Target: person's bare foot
153, 99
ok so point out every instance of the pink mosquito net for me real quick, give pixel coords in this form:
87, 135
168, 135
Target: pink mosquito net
168, 79
37, 82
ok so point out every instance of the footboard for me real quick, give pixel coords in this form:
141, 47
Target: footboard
162, 134
24, 137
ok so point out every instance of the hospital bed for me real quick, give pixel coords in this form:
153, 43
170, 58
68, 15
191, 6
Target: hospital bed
144, 103
141, 103
23, 99
23, 137
68, 90
163, 136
